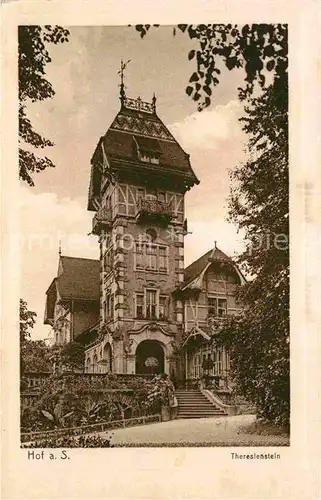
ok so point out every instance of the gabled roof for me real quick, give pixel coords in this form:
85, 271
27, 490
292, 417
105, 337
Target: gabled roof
195, 270
196, 331
198, 265
130, 128
78, 279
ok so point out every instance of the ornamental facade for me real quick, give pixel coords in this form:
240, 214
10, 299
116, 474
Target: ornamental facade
154, 316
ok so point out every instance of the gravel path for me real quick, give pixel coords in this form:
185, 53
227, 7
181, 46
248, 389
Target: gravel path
219, 431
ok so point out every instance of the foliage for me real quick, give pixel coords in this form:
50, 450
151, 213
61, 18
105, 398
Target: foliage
74, 400
72, 356
262, 428
27, 320
161, 392
56, 416
86, 441
33, 353
258, 340
259, 49
33, 86
35, 356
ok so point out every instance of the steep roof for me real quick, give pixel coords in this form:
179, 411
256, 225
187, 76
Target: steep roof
198, 265
137, 124
79, 278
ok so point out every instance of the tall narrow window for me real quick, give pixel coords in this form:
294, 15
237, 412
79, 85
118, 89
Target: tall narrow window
151, 304
212, 305
152, 257
139, 306
107, 306
214, 363
197, 365
222, 307
219, 362
139, 256
112, 306
162, 307
162, 259
228, 361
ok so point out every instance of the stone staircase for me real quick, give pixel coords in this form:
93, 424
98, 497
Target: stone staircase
193, 404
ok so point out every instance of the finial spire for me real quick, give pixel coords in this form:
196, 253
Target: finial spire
215, 244
122, 85
154, 102
59, 251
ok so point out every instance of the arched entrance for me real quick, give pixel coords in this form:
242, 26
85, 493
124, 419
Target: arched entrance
107, 360
149, 357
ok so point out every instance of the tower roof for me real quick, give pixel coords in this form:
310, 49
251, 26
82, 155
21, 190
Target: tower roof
138, 129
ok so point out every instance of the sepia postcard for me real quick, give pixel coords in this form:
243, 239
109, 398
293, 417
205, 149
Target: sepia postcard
160, 250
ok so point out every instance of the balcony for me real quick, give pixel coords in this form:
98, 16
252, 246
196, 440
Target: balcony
154, 211
102, 220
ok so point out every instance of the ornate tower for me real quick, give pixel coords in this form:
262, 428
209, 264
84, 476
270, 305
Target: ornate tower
139, 178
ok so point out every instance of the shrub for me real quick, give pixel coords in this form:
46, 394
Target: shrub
90, 441
75, 400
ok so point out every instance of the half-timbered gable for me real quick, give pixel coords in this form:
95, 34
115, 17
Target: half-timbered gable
209, 293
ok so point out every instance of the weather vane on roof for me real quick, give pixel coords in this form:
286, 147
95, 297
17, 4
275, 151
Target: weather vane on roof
121, 73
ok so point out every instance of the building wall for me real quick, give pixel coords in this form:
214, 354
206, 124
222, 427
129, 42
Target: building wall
216, 299
215, 287
124, 281
72, 319
85, 314
62, 323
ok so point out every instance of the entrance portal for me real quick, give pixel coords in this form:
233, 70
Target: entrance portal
149, 357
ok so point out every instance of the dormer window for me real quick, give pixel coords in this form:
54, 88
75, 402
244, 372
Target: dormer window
147, 149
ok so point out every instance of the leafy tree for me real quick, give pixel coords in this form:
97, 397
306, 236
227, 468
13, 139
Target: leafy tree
33, 86
257, 48
34, 354
73, 356
27, 320
258, 340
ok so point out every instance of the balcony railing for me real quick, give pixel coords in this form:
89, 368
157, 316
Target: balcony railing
101, 220
154, 209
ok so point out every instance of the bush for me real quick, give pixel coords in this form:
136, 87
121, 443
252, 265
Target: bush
71, 442
75, 400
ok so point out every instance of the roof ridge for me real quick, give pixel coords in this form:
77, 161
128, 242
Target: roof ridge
78, 258
199, 258
211, 251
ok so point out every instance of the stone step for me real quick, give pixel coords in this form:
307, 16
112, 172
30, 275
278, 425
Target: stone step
193, 404
199, 416
193, 410
187, 392
200, 410
192, 399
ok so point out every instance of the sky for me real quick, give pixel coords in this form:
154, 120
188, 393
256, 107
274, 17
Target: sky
84, 75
